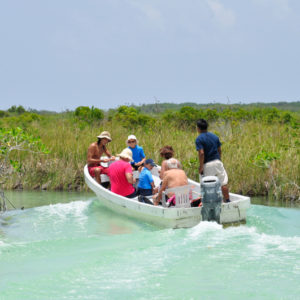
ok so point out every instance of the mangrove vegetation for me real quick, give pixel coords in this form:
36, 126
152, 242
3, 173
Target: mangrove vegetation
260, 143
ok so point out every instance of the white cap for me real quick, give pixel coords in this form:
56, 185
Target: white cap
131, 137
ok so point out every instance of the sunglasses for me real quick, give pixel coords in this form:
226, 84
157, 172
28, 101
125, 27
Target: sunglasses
130, 142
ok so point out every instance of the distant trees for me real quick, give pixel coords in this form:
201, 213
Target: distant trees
187, 116
85, 113
3, 114
130, 117
19, 110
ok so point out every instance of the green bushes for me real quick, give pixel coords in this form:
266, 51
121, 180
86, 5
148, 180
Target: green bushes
260, 147
84, 113
16, 140
19, 110
129, 117
189, 115
23, 120
3, 114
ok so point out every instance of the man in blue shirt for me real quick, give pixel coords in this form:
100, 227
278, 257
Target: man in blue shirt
209, 151
138, 154
146, 185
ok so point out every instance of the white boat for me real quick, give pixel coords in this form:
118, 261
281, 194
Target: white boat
168, 217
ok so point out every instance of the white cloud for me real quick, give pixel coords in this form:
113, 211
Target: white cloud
153, 15
278, 8
224, 16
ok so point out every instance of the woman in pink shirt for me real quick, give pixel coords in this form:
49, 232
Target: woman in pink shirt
120, 175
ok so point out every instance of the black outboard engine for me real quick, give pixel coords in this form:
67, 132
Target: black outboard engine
211, 198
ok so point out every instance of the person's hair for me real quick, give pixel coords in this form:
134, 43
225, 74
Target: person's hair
99, 141
167, 152
202, 124
172, 163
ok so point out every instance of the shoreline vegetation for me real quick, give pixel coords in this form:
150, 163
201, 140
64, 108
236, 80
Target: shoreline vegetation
260, 143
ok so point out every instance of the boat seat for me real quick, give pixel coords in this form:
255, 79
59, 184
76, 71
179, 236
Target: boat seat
104, 178
182, 196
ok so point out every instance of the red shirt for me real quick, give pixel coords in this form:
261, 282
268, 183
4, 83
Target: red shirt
118, 181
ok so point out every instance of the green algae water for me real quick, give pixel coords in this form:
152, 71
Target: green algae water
68, 246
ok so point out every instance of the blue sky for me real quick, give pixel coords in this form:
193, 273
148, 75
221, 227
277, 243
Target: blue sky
58, 55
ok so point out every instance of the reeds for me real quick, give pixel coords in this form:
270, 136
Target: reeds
242, 142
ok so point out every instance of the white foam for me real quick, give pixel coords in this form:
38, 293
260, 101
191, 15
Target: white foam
260, 244
203, 227
264, 244
62, 210
3, 246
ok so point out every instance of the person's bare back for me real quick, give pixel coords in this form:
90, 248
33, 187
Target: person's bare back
172, 178
175, 177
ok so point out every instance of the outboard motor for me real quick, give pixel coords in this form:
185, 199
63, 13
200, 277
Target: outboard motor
211, 198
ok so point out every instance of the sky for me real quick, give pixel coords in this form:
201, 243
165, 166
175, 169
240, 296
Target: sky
58, 55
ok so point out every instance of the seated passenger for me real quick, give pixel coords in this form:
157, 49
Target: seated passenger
138, 154
95, 151
167, 153
173, 177
146, 185
120, 175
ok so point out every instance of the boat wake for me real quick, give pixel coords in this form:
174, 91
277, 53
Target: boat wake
89, 250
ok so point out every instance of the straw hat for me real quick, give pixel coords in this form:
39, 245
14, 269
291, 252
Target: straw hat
126, 153
104, 135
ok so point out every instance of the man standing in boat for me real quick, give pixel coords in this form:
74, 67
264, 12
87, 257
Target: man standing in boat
95, 151
209, 152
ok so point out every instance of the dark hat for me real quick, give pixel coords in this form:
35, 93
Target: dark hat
150, 161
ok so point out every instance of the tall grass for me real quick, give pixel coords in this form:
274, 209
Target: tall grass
242, 142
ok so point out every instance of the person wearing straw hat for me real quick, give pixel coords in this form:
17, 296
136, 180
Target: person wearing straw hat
95, 151
138, 154
120, 175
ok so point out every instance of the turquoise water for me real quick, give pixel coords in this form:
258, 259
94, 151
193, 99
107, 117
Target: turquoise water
74, 248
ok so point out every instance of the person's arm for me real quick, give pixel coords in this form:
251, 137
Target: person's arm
143, 157
142, 161
129, 175
151, 181
154, 189
130, 178
201, 160
106, 151
108, 154
220, 152
163, 188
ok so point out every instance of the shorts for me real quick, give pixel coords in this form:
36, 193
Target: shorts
216, 168
145, 192
133, 195
103, 170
